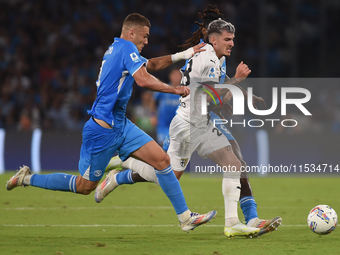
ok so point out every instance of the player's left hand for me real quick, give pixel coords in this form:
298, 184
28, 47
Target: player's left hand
258, 99
242, 72
182, 91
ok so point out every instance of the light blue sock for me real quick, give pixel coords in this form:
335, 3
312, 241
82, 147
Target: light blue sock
124, 177
56, 181
172, 189
249, 208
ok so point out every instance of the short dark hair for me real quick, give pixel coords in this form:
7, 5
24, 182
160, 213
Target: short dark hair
217, 26
136, 19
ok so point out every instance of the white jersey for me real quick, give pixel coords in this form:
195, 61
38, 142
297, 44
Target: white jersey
203, 67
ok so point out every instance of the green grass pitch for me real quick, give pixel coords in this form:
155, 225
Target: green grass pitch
138, 219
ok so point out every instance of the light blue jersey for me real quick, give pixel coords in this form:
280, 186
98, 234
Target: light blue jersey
115, 80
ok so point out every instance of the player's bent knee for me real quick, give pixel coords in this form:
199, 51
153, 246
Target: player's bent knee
163, 162
235, 165
85, 191
85, 187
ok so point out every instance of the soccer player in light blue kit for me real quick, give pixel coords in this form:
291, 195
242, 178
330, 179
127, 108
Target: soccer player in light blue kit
109, 131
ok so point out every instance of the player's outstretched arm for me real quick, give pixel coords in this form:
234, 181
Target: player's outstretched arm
148, 81
156, 64
242, 72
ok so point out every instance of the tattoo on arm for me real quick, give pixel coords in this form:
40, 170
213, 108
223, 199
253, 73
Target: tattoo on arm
232, 81
235, 81
223, 91
228, 148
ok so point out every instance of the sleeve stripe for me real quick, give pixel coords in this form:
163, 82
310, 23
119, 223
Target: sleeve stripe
138, 68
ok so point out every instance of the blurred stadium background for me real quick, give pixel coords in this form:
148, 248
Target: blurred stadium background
51, 51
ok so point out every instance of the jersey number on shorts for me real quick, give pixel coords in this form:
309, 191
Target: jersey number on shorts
219, 133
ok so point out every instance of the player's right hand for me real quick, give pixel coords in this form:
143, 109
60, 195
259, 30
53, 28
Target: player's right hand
182, 91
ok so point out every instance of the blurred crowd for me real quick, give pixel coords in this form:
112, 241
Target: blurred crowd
51, 51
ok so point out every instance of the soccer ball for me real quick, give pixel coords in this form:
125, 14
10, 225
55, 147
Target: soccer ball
322, 219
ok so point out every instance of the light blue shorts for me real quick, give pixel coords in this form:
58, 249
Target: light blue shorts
100, 144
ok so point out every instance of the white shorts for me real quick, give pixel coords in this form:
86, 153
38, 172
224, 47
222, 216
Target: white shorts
185, 139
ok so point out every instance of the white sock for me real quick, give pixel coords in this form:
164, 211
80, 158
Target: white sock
229, 222
144, 170
251, 222
128, 163
27, 179
184, 216
231, 189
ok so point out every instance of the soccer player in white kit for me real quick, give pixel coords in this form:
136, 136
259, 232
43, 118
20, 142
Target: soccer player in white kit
190, 130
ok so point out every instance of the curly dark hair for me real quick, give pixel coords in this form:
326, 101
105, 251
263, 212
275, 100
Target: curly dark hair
210, 14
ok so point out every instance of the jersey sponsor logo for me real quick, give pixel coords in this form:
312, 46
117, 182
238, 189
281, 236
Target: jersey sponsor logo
98, 173
184, 162
223, 70
212, 72
134, 57
213, 61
